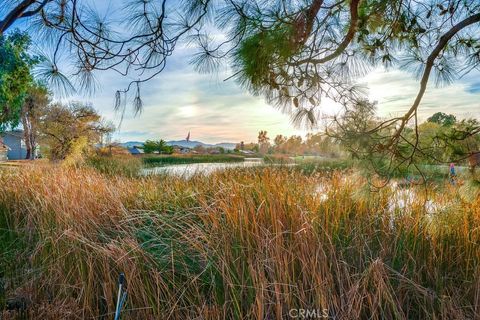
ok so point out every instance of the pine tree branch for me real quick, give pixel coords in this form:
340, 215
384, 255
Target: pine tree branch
428, 68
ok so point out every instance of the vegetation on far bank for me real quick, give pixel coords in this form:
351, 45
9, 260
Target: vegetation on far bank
159, 160
120, 165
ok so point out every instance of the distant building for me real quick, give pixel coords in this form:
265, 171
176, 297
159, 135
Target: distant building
16, 145
247, 152
214, 151
180, 149
135, 150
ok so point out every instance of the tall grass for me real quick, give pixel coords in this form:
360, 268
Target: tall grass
118, 165
187, 159
239, 244
309, 166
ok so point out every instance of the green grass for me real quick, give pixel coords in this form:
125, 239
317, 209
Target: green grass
312, 165
14, 248
277, 159
186, 159
119, 165
431, 173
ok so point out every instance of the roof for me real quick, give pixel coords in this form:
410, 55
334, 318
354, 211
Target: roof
135, 150
180, 147
16, 133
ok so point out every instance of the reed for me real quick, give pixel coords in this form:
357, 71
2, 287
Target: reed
160, 160
239, 244
123, 165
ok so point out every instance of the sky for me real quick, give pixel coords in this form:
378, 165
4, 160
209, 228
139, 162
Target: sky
180, 100
213, 110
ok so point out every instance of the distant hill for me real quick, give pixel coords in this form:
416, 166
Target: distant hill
184, 143
226, 145
131, 144
193, 144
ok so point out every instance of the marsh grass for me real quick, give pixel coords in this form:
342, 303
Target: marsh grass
118, 165
311, 166
237, 244
278, 159
160, 160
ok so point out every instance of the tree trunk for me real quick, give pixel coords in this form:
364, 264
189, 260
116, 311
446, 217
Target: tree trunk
28, 135
29, 152
33, 141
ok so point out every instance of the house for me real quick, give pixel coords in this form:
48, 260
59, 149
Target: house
15, 143
180, 149
135, 150
247, 151
214, 151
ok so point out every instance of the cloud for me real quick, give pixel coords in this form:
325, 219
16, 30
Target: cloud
181, 100
396, 90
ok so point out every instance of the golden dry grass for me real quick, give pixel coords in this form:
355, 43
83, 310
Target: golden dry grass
239, 244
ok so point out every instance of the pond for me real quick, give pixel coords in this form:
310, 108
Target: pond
188, 170
401, 201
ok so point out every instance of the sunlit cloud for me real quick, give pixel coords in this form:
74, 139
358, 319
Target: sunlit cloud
181, 100
396, 90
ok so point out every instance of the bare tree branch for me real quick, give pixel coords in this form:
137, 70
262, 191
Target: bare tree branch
14, 14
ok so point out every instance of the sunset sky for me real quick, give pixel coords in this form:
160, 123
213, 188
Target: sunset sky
181, 100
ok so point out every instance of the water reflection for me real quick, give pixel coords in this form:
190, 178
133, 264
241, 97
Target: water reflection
401, 200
